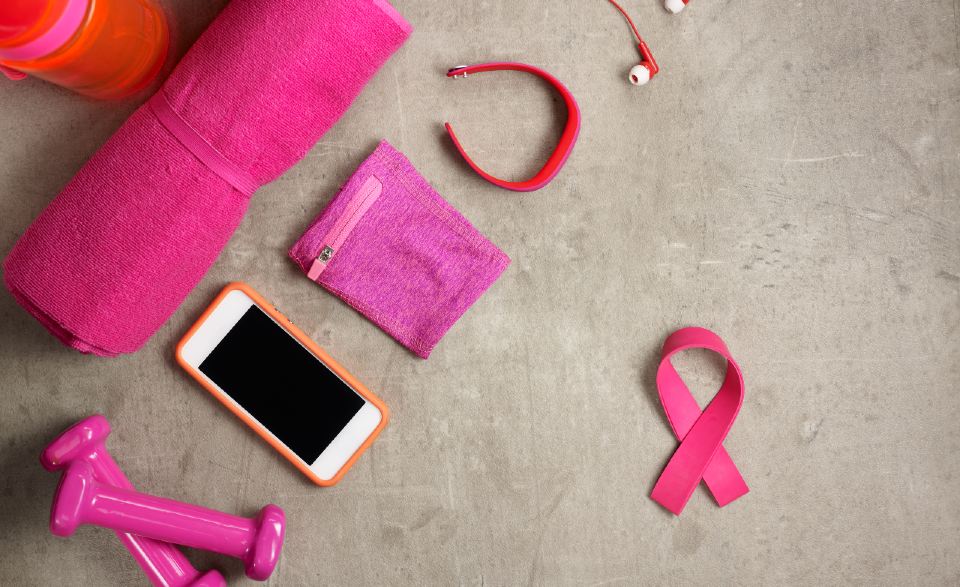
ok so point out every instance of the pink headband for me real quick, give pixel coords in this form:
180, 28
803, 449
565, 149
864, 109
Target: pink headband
563, 148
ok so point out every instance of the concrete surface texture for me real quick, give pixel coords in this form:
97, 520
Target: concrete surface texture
790, 180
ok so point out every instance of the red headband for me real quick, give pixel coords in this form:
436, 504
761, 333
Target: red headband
560, 153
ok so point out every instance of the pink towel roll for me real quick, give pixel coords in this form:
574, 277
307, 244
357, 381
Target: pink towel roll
111, 258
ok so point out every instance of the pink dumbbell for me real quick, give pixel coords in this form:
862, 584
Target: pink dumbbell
164, 565
80, 499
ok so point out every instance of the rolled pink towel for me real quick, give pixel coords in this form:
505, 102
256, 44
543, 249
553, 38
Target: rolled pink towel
111, 258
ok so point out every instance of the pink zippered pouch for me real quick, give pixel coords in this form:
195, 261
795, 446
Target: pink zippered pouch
392, 248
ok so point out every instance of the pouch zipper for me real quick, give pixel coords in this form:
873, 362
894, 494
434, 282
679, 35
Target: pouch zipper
358, 205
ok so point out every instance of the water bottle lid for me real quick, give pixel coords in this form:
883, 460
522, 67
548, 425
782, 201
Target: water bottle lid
18, 18
30, 29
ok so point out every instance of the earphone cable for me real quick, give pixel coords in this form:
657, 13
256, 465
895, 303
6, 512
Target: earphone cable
636, 32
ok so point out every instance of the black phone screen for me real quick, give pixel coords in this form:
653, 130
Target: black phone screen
282, 384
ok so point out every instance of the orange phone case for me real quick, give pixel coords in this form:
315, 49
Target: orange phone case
318, 352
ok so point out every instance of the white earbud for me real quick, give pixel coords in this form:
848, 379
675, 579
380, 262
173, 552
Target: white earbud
639, 74
674, 6
646, 69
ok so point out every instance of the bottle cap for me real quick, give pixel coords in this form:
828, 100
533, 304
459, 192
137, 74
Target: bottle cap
30, 29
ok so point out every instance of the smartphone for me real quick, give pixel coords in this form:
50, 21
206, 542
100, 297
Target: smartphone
281, 384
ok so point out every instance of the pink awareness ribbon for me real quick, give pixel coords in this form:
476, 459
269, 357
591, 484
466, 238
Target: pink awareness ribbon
701, 434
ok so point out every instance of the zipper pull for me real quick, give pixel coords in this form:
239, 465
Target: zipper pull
320, 263
357, 205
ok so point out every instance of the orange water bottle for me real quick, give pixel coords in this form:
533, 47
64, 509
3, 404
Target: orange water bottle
99, 48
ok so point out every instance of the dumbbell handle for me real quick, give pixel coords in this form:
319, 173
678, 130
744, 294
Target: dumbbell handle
164, 519
81, 499
162, 563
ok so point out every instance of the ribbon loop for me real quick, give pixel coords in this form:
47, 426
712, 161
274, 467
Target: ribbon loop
701, 434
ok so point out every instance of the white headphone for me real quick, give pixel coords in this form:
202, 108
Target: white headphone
675, 6
647, 68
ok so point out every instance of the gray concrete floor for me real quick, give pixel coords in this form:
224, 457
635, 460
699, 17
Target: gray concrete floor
790, 180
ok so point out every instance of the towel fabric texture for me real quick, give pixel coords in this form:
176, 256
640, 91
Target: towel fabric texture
392, 248
117, 251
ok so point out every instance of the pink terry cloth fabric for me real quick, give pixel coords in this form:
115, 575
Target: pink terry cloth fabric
392, 248
118, 250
